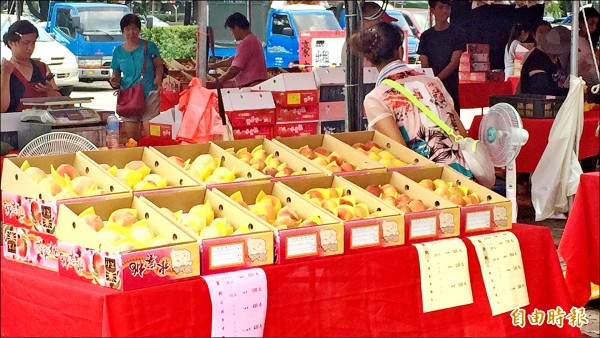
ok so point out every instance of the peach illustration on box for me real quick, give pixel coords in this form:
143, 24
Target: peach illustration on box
500, 218
329, 240
446, 223
257, 249
390, 231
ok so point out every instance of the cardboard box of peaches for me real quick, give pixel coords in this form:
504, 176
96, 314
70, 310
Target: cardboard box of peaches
209, 165
123, 244
331, 155
481, 210
303, 231
229, 238
273, 160
32, 190
369, 223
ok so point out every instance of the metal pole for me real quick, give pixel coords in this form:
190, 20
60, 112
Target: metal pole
574, 38
201, 51
249, 12
19, 9
354, 71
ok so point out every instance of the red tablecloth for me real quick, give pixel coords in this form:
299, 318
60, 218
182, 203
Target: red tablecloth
373, 293
514, 82
539, 129
579, 243
474, 94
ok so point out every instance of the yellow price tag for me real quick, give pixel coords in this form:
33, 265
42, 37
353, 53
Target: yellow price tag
154, 130
293, 98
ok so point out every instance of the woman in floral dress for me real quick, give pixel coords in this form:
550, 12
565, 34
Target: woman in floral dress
393, 114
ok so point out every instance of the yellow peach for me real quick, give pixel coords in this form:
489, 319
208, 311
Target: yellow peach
50, 185
427, 183
35, 173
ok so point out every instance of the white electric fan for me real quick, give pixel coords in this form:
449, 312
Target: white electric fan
55, 143
501, 129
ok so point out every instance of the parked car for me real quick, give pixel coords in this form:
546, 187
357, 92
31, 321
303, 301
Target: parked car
418, 19
413, 41
58, 58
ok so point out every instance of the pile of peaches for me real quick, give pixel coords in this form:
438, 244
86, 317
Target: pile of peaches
374, 151
206, 168
390, 195
459, 195
331, 160
264, 162
336, 202
62, 182
270, 209
123, 229
201, 220
136, 175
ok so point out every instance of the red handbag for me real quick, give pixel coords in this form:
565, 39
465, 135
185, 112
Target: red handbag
131, 101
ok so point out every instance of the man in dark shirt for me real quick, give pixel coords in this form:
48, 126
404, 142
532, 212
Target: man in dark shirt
440, 48
541, 72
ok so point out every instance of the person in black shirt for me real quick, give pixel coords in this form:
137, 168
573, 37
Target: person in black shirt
440, 48
542, 72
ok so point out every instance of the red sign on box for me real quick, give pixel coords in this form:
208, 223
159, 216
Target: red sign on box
295, 129
332, 110
296, 98
253, 132
247, 118
303, 113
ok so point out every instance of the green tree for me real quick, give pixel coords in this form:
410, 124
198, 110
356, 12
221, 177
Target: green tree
553, 9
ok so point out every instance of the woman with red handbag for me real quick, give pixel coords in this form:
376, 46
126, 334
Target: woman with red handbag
137, 74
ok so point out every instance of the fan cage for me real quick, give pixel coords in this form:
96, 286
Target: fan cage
55, 143
504, 118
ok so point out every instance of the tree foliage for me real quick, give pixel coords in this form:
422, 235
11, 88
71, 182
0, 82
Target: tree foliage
174, 42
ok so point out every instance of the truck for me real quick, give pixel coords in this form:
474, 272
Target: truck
91, 31
277, 24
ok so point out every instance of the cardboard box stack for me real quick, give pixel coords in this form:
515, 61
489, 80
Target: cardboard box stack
475, 63
332, 99
252, 114
296, 103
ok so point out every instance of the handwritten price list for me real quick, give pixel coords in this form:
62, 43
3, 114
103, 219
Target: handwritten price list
501, 264
445, 280
239, 303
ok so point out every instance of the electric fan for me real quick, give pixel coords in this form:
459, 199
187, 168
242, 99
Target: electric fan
502, 131
56, 143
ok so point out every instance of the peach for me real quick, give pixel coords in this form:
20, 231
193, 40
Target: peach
442, 192
177, 160
307, 152
315, 193
81, 185
35, 173
361, 210
335, 192
261, 153
417, 205
345, 212
457, 199
284, 220
135, 165
441, 183
97, 261
374, 189
158, 180
271, 171
338, 160
307, 223
124, 218
390, 200
287, 171
258, 163
471, 199
359, 145
405, 209
22, 247
94, 221
427, 183
104, 166
246, 157
287, 211
330, 204
265, 211
347, 166
371, 144
403, 199
333, 167
456, 191
67, 169
320, 161
389, 190
322, 151
50, 185
349, 200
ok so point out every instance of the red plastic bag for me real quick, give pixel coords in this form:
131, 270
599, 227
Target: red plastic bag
201, 120
168, 99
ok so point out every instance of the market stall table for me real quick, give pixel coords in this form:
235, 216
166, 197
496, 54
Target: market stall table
579, 243
539, 129
372, 293
476, 94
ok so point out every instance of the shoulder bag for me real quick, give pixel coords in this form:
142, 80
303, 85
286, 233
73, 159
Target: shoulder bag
475, 153
131, 101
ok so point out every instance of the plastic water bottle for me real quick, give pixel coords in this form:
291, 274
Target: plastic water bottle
112, 131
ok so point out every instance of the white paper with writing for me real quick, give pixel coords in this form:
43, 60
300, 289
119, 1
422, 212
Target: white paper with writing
478, 220
420, 227
301, 245
445, 280
501, 264
226, 255
239, 303
363, 236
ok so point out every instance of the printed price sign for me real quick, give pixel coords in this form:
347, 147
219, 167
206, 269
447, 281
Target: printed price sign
293, 98
239, 303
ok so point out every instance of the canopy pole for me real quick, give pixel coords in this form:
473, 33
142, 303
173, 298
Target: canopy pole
574, 38
201, 51
354, 71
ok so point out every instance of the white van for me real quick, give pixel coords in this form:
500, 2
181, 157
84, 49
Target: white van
60, 60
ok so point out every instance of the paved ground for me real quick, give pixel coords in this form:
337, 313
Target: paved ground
527, 215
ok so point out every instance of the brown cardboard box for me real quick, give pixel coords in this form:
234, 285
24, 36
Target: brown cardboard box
299, 243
